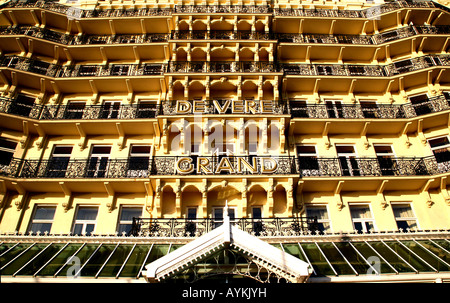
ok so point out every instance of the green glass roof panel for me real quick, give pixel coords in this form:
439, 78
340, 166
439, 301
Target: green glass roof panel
409, 257
83, 255
434, 248
5, 246
135, 262
157, 252
357, 262
337, 261
443, 243
40, 260
317, 260
175, 247
373, 258
23, 259
7, 257
51, 268
294, 249
391, 257
97, 260
116, 261
426, 256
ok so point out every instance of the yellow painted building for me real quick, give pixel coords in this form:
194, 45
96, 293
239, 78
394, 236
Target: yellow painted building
129, 128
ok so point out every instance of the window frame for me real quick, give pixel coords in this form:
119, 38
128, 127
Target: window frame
84, 222
363, 221
7, 149
409, 204
320, 220
121, 222
41, 221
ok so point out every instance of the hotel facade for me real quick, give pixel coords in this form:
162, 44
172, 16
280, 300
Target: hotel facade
160, 141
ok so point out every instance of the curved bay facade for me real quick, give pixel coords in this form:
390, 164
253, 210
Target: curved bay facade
129, 128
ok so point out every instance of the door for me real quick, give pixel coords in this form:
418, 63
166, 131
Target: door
22, 106
218, 215
139, 161
110, 110
421, 104
386, 159
59, 161
98, 162
257, 220
308, 162
347, 160
334, 109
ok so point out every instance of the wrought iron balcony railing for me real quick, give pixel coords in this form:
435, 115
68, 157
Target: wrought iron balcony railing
348, 70
160, 227
295, 108
222, 67
377, 39
144, 167
224, 9
92, 70
369, 111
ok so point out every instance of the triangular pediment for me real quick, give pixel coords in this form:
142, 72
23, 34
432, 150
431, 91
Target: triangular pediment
229, 239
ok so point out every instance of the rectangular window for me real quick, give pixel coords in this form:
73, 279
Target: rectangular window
146, 109
404, 216
386, 159
218, 215
74, 110
362, 218
22, 105
334, 108
441, 148
348, 160
299, 108
139, 160
421, 104
191, 213
369, 109
321, 212
126, 218
7, 150
98, 162
59, 161
85, 220
110, 110
42, 219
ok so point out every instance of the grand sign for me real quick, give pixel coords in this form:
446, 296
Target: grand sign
223, 107
225, 164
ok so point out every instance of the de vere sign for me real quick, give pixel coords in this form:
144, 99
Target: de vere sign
226, 164
236, 107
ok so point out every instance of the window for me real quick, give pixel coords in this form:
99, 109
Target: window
258, 226
59, 161
369, 109
119, 70
362, 218
86, 220
421, 104
7, 149
441, 148
42, 219
191, 213
404, 216
299, 108
98, 162
110, 110
146, 109
139, 161
386, 159
334, 108
308, 161
324, 223
22, 105
126, 218
74, 110
218, 215
348, 160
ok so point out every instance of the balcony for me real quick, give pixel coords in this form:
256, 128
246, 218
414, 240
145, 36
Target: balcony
60, 71
372, 167
370, 111
221, 35
160, 227
222, 67
144, 167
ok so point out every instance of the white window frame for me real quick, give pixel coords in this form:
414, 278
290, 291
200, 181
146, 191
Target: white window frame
9, 150
393, 154
32, 220
126, 222
84, 222
328, 221
362, 220
394, 204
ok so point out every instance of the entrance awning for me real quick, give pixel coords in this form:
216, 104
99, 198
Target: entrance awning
273, 261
